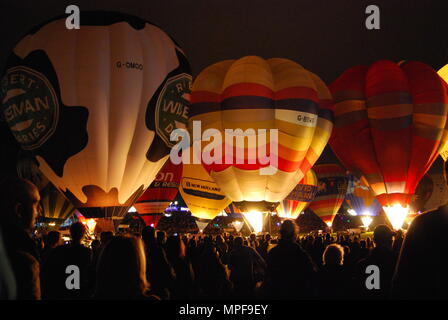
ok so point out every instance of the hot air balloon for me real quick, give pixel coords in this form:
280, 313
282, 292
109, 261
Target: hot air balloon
97, 105
160, 194
332, 187
275, 105
299, 198
202, 195
389, 122
55, 208
361, 200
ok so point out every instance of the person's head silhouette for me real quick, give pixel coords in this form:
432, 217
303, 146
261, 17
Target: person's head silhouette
161, 237
19, 203
106, 236
148, 234
288, 230
121, 269
383, 236
53, 239
77, 232
238, 242
333, 255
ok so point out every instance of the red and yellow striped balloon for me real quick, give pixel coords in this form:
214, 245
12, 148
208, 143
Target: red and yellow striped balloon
332, 187
256, 94
299, 198
389, 123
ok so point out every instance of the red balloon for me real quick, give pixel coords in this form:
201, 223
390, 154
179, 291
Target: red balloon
389, 121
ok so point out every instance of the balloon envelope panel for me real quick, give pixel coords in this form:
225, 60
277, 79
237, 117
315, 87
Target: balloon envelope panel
202, 195
161, 192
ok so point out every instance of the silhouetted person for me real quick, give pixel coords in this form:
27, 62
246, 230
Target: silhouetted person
161, 238
318, 250
247, 268
19, 203
333, 278
212, 278
184, 285
364, 251
52, 240
121, 271
422, 268
105, 237
291, 272
381, 256
95, 245
369, 243
159, 272
252, 241
398, 242
264, 246
222, 248
54, 270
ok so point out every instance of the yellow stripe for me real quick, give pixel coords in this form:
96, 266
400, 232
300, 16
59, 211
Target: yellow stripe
349, 106
390, 111
437, 122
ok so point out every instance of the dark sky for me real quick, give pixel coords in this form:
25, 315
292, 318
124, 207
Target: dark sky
325, 36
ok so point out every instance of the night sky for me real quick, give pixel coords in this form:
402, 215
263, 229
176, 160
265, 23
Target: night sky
325, 36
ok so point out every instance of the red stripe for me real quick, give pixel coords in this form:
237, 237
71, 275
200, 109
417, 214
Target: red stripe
297, 92
247, 89
389, 199
204, 96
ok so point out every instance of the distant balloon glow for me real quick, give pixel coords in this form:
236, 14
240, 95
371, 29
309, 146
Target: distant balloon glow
366, 221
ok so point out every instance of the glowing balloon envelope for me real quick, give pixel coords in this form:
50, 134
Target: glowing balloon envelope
389, 123
280, 108
160, 194
331, 190
299, 198
97, 105
361, 198
202, 195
